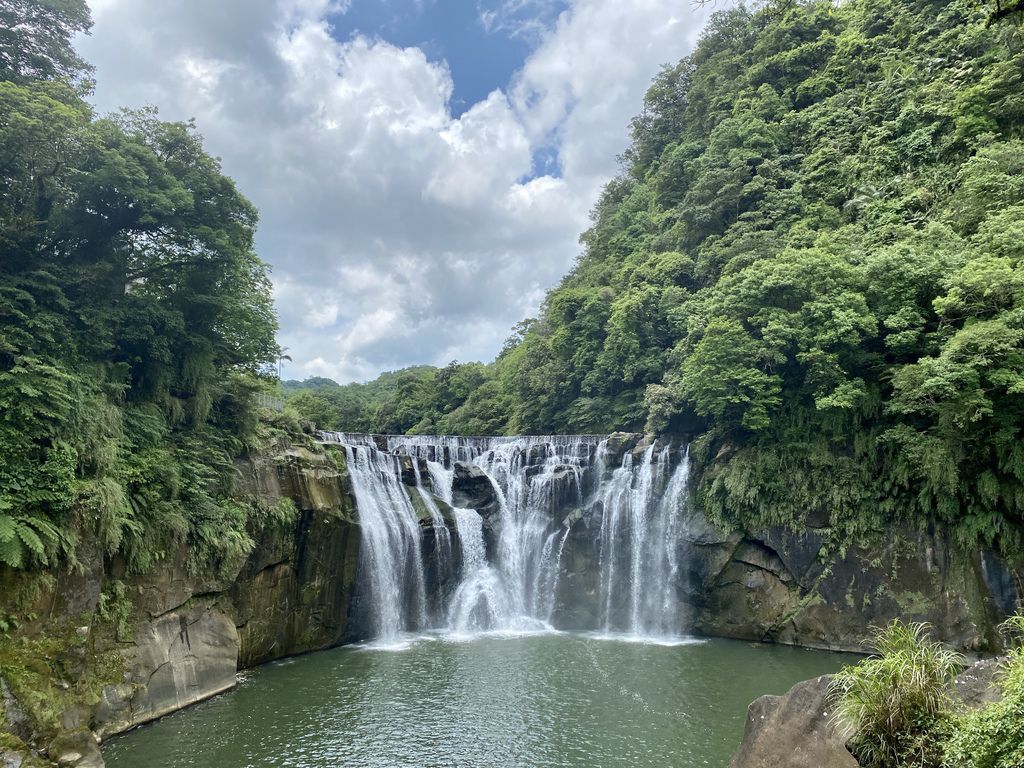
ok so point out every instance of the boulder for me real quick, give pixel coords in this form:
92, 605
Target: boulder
76, 749
793, 731
975, 686
617, 445
472, 489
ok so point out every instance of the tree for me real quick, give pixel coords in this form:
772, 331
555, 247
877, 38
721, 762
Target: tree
136, 320
35, 39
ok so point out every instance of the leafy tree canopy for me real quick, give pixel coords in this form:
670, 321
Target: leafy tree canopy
810, 265
136, 321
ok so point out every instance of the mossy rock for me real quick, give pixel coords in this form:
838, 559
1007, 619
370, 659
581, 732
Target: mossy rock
420, 507
55, 680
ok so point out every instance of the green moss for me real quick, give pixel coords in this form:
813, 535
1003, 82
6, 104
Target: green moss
913, 603
13, 745
53, 673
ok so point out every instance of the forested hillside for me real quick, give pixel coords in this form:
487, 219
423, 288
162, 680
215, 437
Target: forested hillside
810, 263
136, 320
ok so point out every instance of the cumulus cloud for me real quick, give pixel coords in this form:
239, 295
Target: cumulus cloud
398, 233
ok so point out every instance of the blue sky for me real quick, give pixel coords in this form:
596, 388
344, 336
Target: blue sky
482, 43
423, 168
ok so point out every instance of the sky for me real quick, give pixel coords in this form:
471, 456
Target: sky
423, 168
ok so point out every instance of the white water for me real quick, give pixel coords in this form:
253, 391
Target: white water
442, 536
391, 542
635, 509
640, 533
480, 603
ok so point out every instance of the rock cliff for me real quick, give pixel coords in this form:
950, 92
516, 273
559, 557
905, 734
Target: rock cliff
780, 586
180, 637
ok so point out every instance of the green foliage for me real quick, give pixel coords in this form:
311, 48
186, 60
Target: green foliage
891, 705
116, 609
722, 380
457, 399
136, 321
898, 708
35, 38
812, 263
993, 737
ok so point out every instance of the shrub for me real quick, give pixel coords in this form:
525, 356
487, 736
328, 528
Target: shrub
893, 707
993, 737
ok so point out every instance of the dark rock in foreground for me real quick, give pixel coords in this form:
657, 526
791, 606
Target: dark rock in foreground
796, 730
793, 731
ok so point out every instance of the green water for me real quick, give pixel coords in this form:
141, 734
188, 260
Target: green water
542, 700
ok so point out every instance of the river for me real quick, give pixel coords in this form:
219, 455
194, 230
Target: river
557, 700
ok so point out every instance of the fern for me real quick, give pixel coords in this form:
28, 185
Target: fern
26, 540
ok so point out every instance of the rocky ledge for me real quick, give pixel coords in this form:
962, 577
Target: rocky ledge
180, 636
782, 586
797, 730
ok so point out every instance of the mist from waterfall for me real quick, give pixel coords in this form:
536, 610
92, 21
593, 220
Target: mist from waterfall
500, 569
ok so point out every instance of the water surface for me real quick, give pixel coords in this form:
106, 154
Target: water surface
558, 700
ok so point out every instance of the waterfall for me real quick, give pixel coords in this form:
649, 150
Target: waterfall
391, 542
640, 536
499, 566
531, 482
663, 614
442, 537
441, 480
480, 602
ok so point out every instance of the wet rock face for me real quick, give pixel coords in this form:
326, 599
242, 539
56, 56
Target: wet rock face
410, 466
775, 585
793, 731
179, 659
290, 595
294, 592
472, 489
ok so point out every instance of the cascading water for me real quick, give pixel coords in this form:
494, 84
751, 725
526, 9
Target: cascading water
532, 482
391, 542
505, 571
442, 536
480, 602
640, 536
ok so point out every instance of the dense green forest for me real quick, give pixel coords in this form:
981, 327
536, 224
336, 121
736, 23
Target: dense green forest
136, 321
809, 264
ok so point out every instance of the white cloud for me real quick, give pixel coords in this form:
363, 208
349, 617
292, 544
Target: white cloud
398, 233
